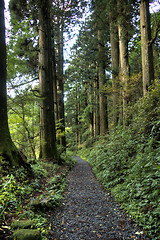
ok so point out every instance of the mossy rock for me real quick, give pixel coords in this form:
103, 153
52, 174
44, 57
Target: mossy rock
43, 204
48, 203
23, 224
27, 234
26, 215
35, 204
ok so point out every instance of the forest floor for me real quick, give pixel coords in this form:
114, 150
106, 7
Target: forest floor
89, 212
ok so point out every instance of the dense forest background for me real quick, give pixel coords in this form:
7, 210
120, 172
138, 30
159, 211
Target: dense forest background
100, 98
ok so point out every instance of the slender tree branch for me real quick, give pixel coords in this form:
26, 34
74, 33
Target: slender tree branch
21, 84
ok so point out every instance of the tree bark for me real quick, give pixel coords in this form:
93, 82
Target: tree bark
115, 70
123, 46
47, 119
8, 152
54, 76
60, 79
77, 120
96, 108
90, 100
60, 91
146, 46
123, 23
102, 80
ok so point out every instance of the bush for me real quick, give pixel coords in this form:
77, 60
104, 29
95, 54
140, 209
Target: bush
127, 162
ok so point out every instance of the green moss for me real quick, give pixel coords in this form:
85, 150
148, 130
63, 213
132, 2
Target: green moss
27, 234
22, 224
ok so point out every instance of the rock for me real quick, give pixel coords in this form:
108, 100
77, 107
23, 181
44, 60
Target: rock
43, 204
48, 203
26, 215
35, 204
23, 224
27, 234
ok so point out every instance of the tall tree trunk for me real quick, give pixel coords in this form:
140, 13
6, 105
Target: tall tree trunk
77, 120
114, 40
123, 23
96, 108
115, 70
102, 80
54, 76
146, 46
123, 46
90, 99
60, 84
47, 120
8, 151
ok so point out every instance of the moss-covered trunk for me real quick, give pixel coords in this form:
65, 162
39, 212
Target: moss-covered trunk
8, 152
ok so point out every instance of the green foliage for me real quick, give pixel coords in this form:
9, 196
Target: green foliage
39, 171
10, 195
57, 183
68, 159
23, 118
22, 55
127, 162
147, 113
48, 184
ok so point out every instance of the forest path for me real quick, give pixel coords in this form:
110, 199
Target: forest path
88, 211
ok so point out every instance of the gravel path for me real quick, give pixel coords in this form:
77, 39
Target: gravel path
89, 212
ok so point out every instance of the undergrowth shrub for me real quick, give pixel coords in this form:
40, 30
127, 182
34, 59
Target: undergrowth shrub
8, 195
127, 162
16, 190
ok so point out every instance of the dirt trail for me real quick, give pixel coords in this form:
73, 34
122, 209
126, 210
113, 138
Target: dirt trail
89, 212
